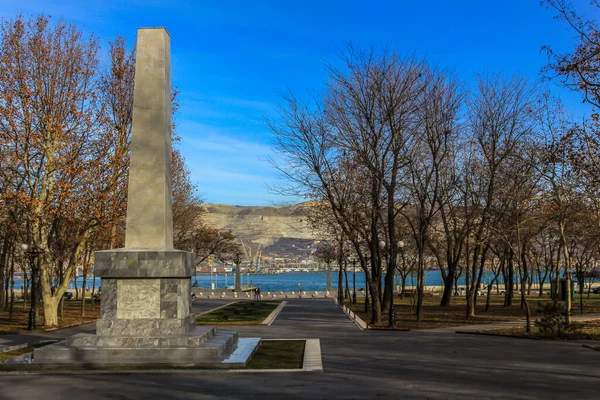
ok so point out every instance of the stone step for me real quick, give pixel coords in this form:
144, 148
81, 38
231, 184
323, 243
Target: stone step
210, 353
222, 344
194, 338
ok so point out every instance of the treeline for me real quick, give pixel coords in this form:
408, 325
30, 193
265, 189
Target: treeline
409, 169
65, 131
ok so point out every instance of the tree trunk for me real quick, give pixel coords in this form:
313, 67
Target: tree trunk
489, 294
420, 280
509, 281
581, 285
480, 274
75, 284
12, 285
567, 259
388, 291
403, 277
3, 269
51, 311
376, 302
347, 291
340, 285
448, 286
524, 279
83, 293
367, 290
93, 291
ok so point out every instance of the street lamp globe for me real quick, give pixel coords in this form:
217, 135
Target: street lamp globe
400, 244
382, 244
24, 247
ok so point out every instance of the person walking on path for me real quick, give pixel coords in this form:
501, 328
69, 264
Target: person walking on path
299, 287
257, 293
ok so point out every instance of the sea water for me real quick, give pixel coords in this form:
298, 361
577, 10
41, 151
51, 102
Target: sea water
288, 282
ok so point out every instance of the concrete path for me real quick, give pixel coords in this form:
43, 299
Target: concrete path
358, 365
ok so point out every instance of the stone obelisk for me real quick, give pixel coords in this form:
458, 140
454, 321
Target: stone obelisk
149, 205
149, 279
146, 308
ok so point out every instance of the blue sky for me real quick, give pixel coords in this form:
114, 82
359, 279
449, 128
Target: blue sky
232, 59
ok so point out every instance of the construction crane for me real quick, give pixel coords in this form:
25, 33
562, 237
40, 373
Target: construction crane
258, 253
244, 249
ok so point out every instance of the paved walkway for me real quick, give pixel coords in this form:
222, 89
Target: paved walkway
357, 365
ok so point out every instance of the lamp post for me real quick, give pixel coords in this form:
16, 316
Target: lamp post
367, 260
32, 252
353, 280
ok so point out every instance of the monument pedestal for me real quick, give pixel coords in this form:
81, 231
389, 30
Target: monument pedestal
145, 316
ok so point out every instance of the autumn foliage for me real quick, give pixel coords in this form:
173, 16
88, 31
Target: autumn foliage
65, 131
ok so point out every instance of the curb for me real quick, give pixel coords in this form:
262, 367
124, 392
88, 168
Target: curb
312, 362
588, 346
6, 349
271, 317
362, 325
497, 335
69, 326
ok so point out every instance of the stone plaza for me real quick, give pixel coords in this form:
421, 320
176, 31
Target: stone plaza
357, 364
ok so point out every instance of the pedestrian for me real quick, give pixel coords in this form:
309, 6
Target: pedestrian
257, 293
299, 287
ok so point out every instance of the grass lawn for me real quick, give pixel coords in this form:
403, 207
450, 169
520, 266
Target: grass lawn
435, 316
278, 354
240, 313
590, 330
71, 316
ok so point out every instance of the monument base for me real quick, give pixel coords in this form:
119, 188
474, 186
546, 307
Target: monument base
203, 347
145, 316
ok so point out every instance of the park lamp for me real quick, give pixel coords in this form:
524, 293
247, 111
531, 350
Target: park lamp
32, 252
400, 244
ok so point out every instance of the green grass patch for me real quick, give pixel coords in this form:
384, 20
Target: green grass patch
243, 312
278, 354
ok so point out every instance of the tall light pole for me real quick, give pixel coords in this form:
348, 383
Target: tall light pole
212, 285
367, 260
353, 280
32, 252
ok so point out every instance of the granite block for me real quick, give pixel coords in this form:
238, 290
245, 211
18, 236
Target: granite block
213, 351
193, 338
144, 327
108, 301
139, 263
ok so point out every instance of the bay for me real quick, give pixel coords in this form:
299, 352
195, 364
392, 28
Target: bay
288, 282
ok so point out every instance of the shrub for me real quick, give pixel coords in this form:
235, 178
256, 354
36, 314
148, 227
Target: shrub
553, 320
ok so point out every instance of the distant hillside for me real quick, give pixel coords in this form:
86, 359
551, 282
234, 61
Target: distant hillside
280, 231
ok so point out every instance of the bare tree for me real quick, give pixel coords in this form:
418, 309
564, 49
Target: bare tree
499, 120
